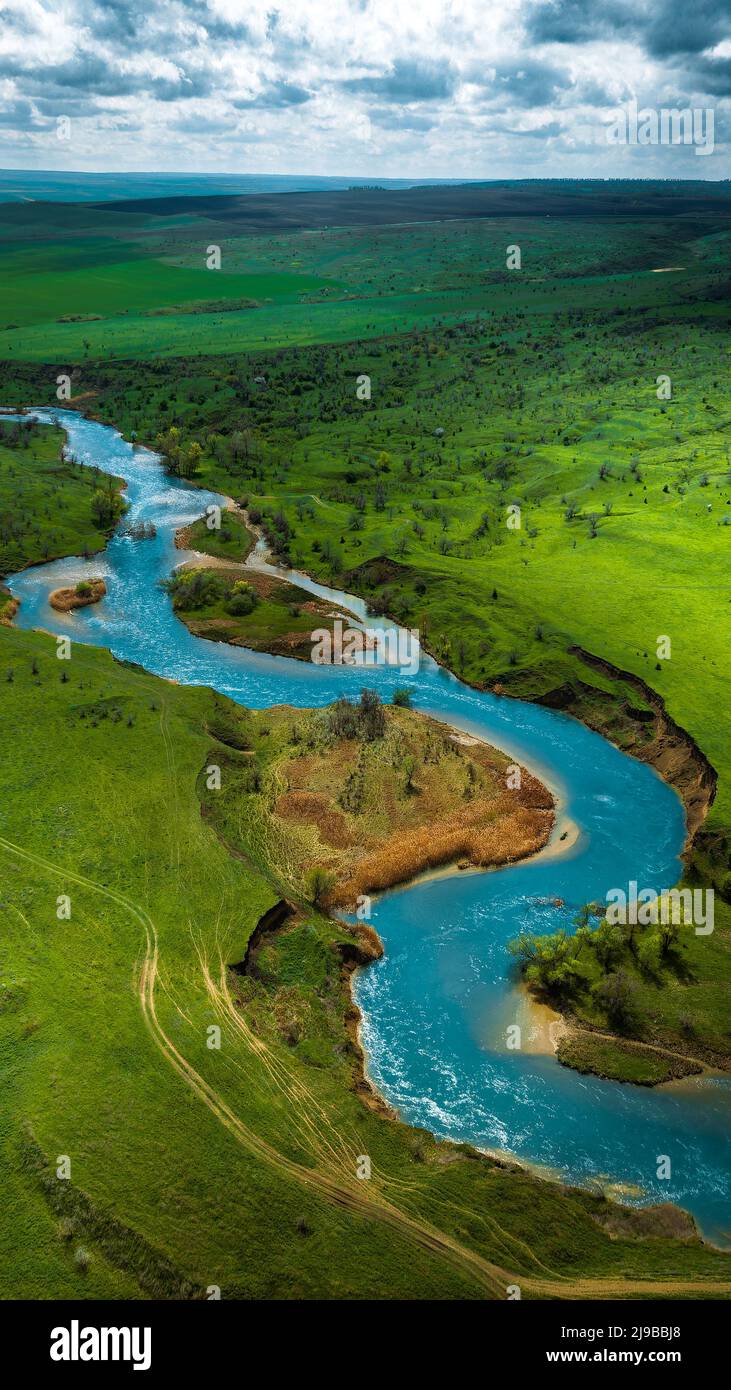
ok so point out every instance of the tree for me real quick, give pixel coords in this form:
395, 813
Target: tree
189, 461
372, 717
318, 883
617, 995
107, 505
408, 766
607, 942
547, 962
169, 446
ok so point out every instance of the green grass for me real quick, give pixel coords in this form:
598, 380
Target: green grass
620, 1061
82, 1072
487, 391
230, 541
45, 500
41, 287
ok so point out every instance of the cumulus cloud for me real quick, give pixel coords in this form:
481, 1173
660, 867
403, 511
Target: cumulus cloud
445, 87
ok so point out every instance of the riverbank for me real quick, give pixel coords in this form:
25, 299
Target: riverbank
633, 717
567, 744
641, 726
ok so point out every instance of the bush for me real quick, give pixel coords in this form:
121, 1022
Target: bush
617, 995
191, 589
242, 599
318, 882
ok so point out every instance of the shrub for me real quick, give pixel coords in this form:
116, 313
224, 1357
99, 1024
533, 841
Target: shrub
318, 882
242, 599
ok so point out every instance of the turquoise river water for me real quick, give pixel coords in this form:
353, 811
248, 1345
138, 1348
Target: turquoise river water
436, 1007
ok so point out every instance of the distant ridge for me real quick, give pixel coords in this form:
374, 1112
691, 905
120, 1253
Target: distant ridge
372, 206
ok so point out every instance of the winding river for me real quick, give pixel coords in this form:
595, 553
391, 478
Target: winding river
436, 1007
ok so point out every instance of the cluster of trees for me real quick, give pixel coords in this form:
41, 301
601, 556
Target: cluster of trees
558, 966
17, 433
201, 588
364, 721
181, 459
107, 505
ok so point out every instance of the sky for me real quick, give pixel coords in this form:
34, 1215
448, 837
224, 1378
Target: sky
397, 88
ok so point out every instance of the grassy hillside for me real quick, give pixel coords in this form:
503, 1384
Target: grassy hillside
554, 412
47, 506
192, 1165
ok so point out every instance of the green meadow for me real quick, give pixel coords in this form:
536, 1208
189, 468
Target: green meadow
45, 499
104, 1040
522, 463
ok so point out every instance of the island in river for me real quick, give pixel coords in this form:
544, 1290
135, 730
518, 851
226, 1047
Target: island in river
358, 797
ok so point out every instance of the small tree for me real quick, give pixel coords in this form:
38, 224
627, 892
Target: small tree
617, 995
318, 883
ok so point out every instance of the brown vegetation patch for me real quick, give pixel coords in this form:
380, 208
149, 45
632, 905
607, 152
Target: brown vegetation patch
314, 809
64, 600
664, 1222
486, 833
9, 606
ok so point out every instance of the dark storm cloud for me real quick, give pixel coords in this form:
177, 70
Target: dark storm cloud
96, 77
18, 115
118, 19
712, 77
676, 36
88, 73
407, 80
663, 28
675, 29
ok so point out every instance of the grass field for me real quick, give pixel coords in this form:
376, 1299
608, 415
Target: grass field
192, 1166
45, 500
508, 480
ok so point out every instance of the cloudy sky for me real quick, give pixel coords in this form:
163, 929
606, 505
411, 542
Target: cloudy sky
400, 88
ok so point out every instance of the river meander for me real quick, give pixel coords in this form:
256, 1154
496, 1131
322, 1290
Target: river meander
436, 1007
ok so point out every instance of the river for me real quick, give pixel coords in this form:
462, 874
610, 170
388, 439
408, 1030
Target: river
436, 1007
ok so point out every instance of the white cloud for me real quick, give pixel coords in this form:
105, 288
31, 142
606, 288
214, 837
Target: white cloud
390, 87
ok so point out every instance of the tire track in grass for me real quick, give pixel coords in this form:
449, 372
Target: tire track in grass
491, 1278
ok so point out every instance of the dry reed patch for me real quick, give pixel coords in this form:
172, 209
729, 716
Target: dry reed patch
65, 600
300, 773
486, 834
